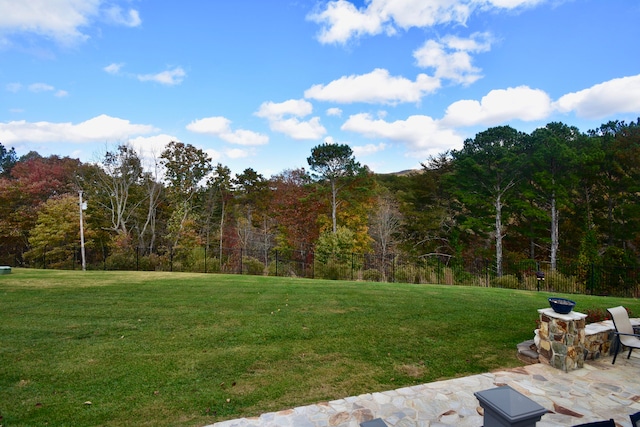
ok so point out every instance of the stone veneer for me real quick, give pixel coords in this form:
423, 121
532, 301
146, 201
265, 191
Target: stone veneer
564, 341
599, 338
562, 338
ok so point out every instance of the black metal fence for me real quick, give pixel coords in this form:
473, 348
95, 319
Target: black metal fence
566, 278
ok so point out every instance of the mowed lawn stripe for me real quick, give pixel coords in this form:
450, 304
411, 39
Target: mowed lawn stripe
172, 349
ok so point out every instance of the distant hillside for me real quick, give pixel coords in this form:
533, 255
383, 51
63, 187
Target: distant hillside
401, 173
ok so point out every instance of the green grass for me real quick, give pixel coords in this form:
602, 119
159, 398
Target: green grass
173, 349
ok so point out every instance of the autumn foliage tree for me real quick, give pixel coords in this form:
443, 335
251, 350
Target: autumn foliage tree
33, 180
54, 240
504, 197
295, 205
185, 170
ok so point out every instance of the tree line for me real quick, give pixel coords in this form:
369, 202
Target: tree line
554, 195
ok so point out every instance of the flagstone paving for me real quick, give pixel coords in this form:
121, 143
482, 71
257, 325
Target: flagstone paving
598, 391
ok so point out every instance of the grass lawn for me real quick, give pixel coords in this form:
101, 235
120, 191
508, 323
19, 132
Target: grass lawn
173, 349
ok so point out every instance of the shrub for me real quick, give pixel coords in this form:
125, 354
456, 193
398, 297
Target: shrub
600, 314
121, 261
530, 282
253, 266
447, 276
212, 265
151, 262
508, 281
558, 282
406, 273
332, 270
597, 315
372, 275
284, 269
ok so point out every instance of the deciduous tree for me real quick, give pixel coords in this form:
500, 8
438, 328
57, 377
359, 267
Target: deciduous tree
56, 235
185, 168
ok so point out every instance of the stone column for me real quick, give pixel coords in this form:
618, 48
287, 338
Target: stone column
562, 339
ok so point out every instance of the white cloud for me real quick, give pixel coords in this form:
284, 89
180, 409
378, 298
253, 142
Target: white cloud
513, 4
299, 130
621, 95
43, 87
169, 77
214, 155
62, 20
422, 135
221, 127
330, 140
341, 20
375, 87
59, 20
284, 117
368, 149
238, 153
40, 87
113, 68
101, 128
210, 125
151, 146
335, 112
149, 149
276, 110
451, 57
499, 106
116, 15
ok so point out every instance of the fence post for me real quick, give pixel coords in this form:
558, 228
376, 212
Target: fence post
171, 258
352, 264
486, 272
241, 269
44, 257
393, 268
137, 258
276, 263
205, 259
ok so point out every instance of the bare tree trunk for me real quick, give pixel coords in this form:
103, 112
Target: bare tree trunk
385, 222
153, 195
334, 192
221, 229
554, 231
498, 206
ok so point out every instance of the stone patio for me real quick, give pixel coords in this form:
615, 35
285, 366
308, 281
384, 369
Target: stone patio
598, 391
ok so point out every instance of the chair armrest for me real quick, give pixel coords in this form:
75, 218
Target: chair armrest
629, 335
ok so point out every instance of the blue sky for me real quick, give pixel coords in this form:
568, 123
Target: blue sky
258, 83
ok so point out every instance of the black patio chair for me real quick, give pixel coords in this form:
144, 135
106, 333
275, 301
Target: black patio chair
635, 419
608, 423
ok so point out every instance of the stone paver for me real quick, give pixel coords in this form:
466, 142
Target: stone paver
596, 392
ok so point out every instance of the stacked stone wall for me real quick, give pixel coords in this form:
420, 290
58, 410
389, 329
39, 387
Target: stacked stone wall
562, 340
